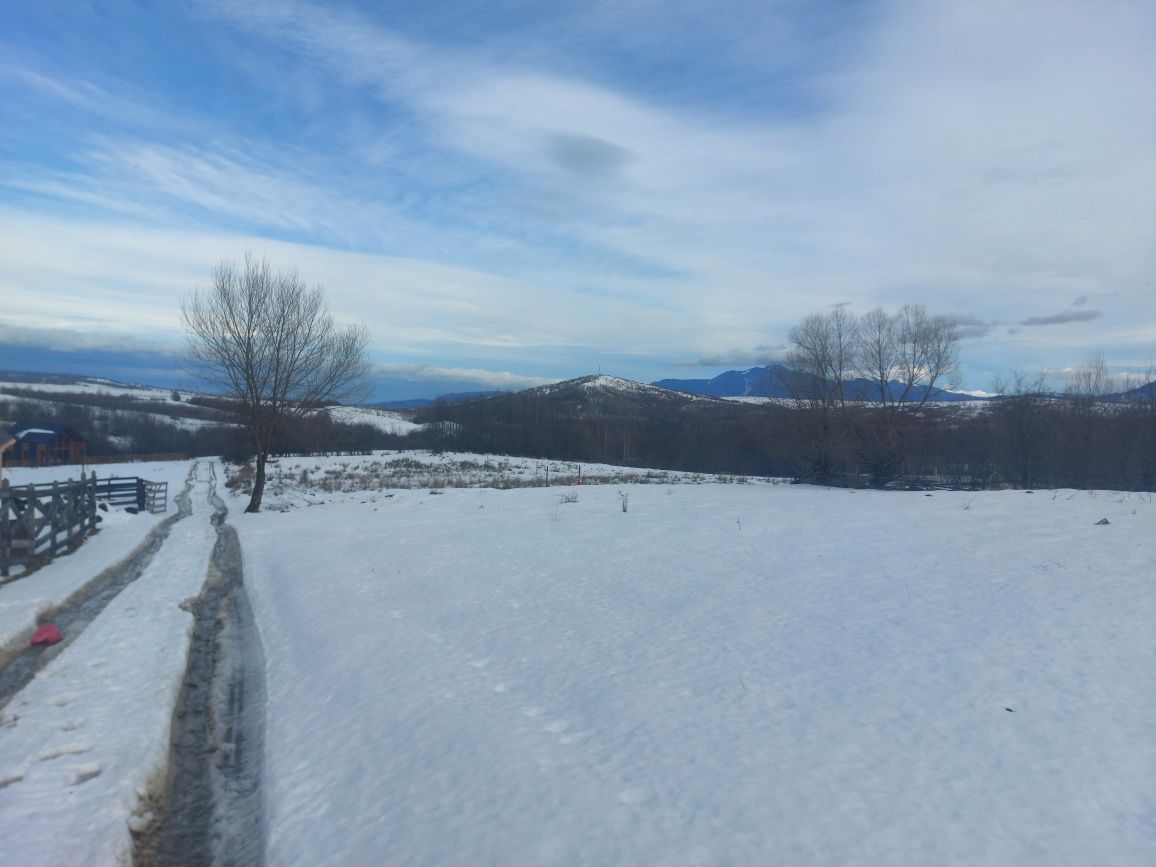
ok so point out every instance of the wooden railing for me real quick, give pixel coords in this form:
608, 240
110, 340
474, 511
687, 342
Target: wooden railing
37, 522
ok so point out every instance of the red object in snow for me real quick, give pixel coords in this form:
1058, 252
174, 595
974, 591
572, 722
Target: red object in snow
49, 633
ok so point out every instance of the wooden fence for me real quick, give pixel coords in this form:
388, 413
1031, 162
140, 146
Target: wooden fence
37, 522
133, 491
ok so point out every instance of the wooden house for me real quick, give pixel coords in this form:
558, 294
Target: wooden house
7, 441
40, 444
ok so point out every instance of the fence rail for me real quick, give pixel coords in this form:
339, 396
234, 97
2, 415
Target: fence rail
37, 522
133, 491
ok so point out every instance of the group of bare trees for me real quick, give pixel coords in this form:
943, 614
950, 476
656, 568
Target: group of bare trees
859, 381
865, 391
1099, 432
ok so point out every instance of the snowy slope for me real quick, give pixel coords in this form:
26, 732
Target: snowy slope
720, 675
98, 386
382, 419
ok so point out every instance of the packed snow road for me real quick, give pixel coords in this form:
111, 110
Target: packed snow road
212, 813
85, 746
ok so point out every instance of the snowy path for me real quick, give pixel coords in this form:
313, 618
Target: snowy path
213, 810
88, 738
724, 675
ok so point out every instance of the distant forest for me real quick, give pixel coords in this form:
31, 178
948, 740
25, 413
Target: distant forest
1025, 439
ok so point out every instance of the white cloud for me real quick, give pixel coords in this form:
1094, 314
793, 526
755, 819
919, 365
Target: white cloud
496, 379
71, 340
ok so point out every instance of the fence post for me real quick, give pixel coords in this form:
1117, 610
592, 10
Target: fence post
5, 526
90, 501
140, 493
53, 519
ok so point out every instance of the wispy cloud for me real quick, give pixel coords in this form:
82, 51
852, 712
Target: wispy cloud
971, 327
1063, 317
760, 355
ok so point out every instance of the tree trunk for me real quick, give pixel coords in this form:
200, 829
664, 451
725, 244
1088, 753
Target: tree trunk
258, 483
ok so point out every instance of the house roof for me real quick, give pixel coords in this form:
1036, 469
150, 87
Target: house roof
42, 431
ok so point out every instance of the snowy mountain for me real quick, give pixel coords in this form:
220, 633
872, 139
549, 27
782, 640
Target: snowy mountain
769, 381
774, 381
611, 396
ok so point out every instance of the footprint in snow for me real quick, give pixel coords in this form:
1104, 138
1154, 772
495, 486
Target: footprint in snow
65, 698
87, 772
70, 750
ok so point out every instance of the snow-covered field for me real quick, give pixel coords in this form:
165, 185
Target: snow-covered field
718, 674
722, 674
294, 482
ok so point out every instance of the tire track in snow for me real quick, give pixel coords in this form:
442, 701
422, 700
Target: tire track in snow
213, 811
83, 606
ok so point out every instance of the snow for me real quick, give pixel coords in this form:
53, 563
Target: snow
96, 386
294, 482
24, 599
384, 420
81, 745
722, 674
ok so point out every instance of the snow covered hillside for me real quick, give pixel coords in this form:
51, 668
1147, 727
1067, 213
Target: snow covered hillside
718, 674
382, 419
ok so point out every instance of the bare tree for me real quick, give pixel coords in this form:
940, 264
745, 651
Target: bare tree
1087, 421
1022, 420
821, 360
268, 341
905, 357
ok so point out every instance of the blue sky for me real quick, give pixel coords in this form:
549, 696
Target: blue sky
508, 193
